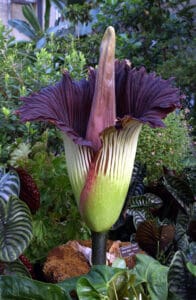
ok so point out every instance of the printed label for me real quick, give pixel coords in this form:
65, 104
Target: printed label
129, 250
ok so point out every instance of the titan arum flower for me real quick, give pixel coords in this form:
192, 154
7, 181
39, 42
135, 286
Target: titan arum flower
101, 119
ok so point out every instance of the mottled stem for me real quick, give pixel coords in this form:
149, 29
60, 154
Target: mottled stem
99, 240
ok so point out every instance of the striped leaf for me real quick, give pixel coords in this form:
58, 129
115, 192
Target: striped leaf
181, 237
180, 190
145, 201
139, 208
9, 184
138, 217
181, 228
136, 188
181, 282
137, 185
15, 228
15, 268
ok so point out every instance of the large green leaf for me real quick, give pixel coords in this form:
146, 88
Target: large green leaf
104, 282
15, 228
22, 288
153, 274
192, 268
9, 184
15, 268
181, 281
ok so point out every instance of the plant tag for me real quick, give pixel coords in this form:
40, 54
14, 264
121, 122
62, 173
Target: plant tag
129, 250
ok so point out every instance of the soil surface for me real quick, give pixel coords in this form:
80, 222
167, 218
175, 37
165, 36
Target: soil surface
66, 261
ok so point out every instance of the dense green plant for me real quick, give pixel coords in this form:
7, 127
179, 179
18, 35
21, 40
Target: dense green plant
147, 280
135, 22
167, 146
23, 70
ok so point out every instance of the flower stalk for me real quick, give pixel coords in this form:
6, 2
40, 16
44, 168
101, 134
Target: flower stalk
99, 241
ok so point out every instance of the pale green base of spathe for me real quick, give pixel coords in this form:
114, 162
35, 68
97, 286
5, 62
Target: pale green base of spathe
102, 199
104, 203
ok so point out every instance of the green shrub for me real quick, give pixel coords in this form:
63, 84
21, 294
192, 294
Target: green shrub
164, 146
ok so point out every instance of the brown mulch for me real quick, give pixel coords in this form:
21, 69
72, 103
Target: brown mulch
65, 261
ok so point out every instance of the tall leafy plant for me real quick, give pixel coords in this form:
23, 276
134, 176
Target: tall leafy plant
32, 28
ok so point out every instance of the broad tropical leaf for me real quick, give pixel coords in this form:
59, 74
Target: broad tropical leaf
181, 281
15, 228
139, 207
148, 237
104, 282
180, 190
15, 268
145, 201
181, 227
151, 272
181, 237
192, 268
9, 184
22, 288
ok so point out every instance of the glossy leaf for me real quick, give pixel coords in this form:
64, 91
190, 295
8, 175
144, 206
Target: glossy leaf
191, 267
181, 231
15, 228
21, 288
105, 283
151, 272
